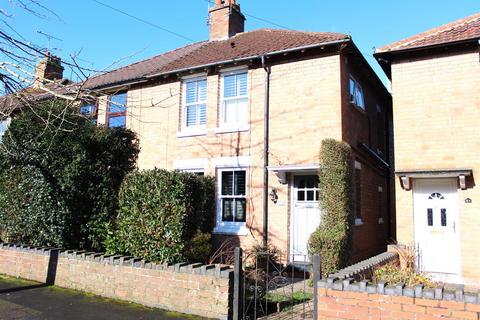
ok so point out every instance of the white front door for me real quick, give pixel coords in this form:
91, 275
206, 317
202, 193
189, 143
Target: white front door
436, 226
305, 216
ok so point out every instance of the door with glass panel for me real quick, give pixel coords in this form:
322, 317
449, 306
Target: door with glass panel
436, 225
305, 216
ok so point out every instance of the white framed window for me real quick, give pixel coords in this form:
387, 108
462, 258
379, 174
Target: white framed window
356, 94
231, 201
3, 127
234, 101
194, 104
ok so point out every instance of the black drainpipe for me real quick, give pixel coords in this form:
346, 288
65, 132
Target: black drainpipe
266, 150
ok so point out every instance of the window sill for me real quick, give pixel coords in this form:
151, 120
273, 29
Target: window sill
232, 129
192, 133
358, 222
231, 230
358, 108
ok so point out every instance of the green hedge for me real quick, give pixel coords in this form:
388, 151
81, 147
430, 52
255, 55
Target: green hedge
60, 175
332, 239
164, 216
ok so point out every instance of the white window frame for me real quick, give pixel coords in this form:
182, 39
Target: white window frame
198, 129
235, 127
229, 227
357, 86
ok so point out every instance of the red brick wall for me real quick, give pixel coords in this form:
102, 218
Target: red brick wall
363, 126
334, 304
161, 286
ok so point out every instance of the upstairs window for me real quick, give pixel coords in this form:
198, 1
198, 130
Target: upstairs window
89, 110
3, 127
356, 94
195, 103
117, 110
234, 106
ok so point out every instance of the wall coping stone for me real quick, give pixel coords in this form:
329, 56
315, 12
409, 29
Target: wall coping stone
213, 270
343, 281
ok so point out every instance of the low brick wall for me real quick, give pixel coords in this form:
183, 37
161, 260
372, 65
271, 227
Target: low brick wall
204, 290
344, 299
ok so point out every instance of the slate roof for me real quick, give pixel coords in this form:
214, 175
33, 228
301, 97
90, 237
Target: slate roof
463, 29
242, 45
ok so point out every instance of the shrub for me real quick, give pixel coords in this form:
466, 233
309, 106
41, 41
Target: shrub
393, 274
59, 178
164, 216
332, 239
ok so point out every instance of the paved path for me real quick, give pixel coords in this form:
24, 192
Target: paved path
25, 300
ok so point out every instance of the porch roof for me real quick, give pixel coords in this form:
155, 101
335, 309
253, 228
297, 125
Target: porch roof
460, 173
281, 171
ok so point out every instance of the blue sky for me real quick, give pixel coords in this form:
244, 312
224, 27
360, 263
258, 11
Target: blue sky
103, 36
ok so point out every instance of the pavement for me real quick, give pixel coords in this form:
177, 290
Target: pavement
27, 300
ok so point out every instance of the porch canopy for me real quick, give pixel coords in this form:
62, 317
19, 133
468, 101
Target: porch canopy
406, 176
281, 171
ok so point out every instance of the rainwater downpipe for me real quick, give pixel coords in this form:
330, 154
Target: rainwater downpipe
266, 134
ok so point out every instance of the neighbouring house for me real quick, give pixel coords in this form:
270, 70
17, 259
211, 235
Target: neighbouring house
251, 108
435, 79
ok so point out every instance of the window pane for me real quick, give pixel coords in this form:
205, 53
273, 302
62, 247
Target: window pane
3, 127
310, 195
301, 195
229, 111
430, 217
191, 92
87, 109
118, 102
117, 121
359, 92
191, 115
227, 209
240, 183
202, 90
229, 86
352, 90
443, 217
242, 110
227, 183
242, 84
203, 114
240, 210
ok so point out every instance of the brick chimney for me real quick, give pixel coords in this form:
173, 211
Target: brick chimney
49, 68
226, 19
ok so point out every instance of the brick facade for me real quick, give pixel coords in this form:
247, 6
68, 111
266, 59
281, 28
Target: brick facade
308, 103
333, 304
193, 289
436, 110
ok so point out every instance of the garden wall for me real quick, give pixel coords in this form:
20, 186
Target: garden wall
344, 299
204, 290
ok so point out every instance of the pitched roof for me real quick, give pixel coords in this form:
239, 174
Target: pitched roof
463, 29
242, 45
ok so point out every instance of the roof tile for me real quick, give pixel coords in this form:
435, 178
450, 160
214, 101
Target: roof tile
463, 29
242, 45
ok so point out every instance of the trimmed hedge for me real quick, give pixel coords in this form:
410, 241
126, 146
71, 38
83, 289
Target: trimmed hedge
164, 216
60, 175
332, 240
